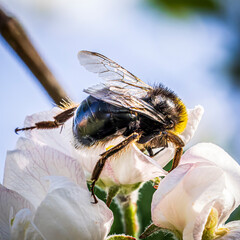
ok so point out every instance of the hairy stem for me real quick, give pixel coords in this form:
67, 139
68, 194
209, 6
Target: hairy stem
129, 209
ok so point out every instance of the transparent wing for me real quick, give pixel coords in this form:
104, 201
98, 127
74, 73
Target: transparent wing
120, 97
109, 70
121, 88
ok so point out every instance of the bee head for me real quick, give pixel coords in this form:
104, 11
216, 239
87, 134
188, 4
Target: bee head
168, 104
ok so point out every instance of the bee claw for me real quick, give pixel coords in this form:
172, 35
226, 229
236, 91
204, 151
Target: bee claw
92, 191
16, 130
24, 129
95, 200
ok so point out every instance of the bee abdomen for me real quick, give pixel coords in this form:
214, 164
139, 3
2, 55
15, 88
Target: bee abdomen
96, 120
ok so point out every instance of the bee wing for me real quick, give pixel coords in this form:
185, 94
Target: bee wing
120, 97
121, 88
109, 70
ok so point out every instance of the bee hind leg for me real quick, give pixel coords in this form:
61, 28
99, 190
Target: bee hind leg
104, 156
59, 120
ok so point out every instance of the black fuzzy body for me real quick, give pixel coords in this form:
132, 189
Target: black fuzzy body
96, 121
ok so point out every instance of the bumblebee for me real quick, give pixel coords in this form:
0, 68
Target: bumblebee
122, 105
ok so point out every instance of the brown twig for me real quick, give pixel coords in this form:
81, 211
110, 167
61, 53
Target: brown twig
14, 34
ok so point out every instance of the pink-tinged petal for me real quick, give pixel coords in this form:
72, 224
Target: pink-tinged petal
211, 153
161, 199
129, 166
59, 138
23, 227
194, 117
220, 204
26, 167
10, 203
206, 178
183, 194
165, 156
169, 183
70, 206
132, 166
234, 231
194, 230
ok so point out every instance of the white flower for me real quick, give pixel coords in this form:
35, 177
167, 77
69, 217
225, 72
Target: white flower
49, 198
194, 117
131, 167
198, 196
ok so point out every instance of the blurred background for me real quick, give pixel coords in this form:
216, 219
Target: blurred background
190, 46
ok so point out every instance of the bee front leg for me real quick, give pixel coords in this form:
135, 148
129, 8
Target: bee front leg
104, 156
178, 142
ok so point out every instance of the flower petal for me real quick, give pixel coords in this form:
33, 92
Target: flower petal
211, 153
234, 232
194, 117
184, 193
10, 203
23, 227
168, 184
59, 138
70, 206
26, 167
130, 166
194, 230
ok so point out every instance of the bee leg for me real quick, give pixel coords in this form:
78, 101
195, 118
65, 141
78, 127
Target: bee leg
150, 151
104, 156
158, 151
59, 120
178, 142
177, 157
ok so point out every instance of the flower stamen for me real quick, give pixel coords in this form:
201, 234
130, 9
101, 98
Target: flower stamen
211, 231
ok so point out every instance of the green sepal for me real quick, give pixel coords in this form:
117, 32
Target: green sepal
120, 237
123, 189
112, 192
153, 229
129, 188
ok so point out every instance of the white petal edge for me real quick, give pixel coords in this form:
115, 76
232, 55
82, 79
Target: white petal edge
10, 203
194, 118
70, 206
208, 152
192, 195
59, 138
23, 227
234, 232
131, 166
26, 167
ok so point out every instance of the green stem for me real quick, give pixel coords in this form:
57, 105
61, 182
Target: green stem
129, 209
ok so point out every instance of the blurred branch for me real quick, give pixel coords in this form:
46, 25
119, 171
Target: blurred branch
14, 34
